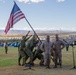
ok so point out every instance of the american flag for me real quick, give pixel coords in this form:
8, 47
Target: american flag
15, 16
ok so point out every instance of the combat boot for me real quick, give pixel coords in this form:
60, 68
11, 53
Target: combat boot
60, 65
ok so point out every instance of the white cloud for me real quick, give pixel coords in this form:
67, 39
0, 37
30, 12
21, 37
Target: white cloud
60, 0
34, 1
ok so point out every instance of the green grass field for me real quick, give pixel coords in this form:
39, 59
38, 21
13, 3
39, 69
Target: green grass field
9, 59
8, 64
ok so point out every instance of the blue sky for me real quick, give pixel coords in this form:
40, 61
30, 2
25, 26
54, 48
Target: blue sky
42, 14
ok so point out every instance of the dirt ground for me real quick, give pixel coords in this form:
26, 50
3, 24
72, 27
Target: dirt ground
37, 70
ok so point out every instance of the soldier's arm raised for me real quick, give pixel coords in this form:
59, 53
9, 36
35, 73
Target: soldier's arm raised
28, 37
27, 33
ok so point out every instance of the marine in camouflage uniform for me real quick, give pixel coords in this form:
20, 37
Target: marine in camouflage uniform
22, 49
29, 48
6, 47
47, 48
58, 45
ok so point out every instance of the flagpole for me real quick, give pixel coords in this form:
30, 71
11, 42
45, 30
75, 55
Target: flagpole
33, 29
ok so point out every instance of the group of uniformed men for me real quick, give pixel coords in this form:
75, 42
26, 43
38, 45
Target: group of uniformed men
44, 51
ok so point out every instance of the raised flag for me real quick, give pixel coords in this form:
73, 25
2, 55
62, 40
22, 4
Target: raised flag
15, 16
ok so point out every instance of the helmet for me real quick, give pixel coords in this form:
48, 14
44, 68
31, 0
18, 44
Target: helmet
23, 37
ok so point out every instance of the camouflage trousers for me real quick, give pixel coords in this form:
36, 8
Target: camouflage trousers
58, 58
47, 59
29, 53
22, 54
6, 50
25, 54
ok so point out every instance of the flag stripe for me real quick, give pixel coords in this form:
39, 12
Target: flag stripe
10, 21
17, 12
7, 28
19, 15
19, 19
8, 24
